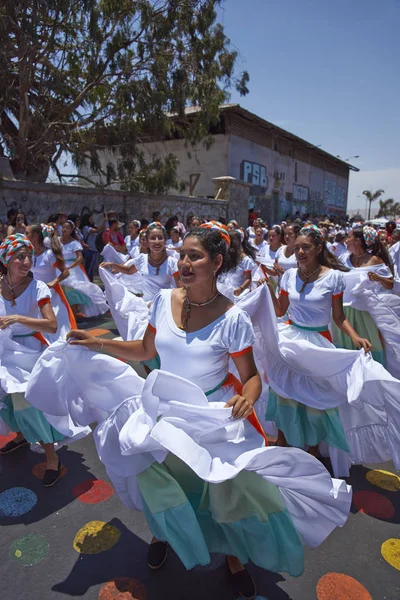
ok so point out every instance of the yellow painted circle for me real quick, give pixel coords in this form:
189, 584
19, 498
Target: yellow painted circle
390, 551
96, 537
384, 479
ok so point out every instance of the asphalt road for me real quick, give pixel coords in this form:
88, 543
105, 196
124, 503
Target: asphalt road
78, 540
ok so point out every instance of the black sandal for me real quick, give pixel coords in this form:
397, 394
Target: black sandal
51, 476
157, 555
243, 583
12, 446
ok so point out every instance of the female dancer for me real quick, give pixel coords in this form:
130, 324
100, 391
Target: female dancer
258, 241
159, 271
366, 257
251, 230
80, 292
25, 311
238, 280
246, 515
310, 293
132, 240
49, 267
175, 239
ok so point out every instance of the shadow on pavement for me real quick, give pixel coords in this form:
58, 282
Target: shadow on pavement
16, 471
126, 566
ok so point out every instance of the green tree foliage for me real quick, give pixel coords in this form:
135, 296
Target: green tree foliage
84, 76
372, 197
388, 208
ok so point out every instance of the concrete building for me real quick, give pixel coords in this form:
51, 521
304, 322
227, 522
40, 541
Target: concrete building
285, 173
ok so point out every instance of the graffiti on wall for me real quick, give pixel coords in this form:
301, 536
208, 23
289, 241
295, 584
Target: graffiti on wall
256, 175
300, 193
330, 192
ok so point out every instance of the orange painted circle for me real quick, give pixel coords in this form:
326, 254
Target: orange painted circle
93, 491
39, 470
4, 439
373, 504
122, 588
337, 586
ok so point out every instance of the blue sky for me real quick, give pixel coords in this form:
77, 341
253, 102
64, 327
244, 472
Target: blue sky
328, 71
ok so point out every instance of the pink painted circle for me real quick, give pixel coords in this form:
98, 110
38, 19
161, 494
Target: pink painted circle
337, 586
373, 504
93, 491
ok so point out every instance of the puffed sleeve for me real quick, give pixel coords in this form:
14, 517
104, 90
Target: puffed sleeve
43, 294
239, 336
172, 267
284, 283
155, 310
338, 284
248, 264
77, 246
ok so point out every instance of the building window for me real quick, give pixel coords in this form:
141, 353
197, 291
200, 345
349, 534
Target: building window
276, 147
289, 197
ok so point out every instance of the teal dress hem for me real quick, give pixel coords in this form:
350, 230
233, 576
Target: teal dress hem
31, 422
304, 426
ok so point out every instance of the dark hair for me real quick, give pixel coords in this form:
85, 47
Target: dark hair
85, 220
340, 236
171, 223
376, 249
112, 221
55, 244
295, 226
280, 231
21, 212
73, 217
325, 258
74, 235
160, 227
12, 216
213, 244
242, 244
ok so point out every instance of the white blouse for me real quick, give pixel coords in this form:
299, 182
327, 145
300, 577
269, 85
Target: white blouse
69, 250
200, 356
27, 305
283, 262
313, 306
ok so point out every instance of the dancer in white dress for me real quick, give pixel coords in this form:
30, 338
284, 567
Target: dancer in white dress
132, 239
81, 294
366, 259
309, 294
25, 314
237, 282
254, 511
49, 266
258, 241
251, 230
158, 270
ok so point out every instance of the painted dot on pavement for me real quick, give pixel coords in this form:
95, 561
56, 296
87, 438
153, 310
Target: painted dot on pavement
373, 504
390, 551
93, 491
123, 588
39, 470
384, 479
4, 439
337, 586
16, 502
96, 537
29, 550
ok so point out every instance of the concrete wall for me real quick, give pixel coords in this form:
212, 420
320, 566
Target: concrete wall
40, 200
197, 161
281, 184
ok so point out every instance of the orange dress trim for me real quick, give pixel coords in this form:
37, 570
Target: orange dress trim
337, 295
326, 334
58, 289
242, 352
253, 419
39, 336
153, 329
43, 302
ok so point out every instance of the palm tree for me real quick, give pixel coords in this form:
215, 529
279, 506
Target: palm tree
371, 197
388, 208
